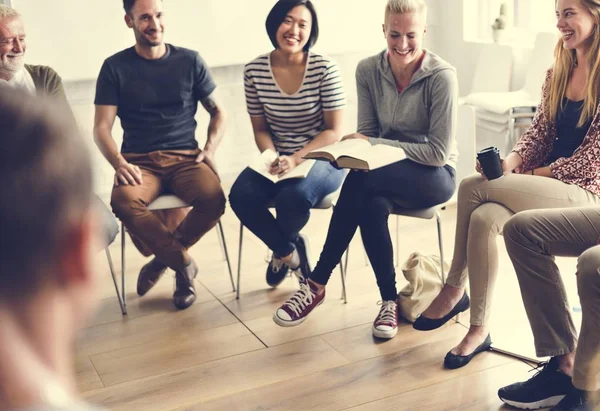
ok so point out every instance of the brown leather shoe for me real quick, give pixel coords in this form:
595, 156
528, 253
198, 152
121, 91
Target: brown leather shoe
185, 292
149, 276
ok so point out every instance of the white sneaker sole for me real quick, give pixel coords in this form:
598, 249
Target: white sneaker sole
384, 333
545, 403
284, 323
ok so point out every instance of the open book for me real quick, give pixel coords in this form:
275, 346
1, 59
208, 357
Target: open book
263, 163
358, 154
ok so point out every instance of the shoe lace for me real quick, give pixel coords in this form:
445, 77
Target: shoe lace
540, 368
298, 273
301, 299
387, 313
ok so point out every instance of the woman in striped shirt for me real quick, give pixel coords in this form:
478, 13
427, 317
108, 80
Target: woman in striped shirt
295, 99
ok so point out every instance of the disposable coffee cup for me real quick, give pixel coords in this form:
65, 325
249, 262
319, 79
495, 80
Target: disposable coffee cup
489, 159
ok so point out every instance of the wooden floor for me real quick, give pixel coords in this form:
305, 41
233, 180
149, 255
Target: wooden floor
228, 354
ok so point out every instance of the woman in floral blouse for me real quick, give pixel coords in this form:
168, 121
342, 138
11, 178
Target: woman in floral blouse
555, 164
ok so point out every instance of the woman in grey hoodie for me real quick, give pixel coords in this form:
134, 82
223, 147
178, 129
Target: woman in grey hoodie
407, 97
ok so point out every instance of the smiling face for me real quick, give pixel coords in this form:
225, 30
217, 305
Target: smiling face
404, 34
576, 24
146, 20
294, 31
12, 45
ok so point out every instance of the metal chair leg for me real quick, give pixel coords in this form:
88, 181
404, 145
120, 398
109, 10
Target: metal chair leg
221, 237
347, 256
114, 278
237, 295
123, 266
224, 245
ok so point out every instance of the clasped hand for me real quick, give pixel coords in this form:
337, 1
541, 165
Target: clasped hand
282, 165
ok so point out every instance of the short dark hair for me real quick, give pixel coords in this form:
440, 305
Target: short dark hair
280, 11
128, 5
46, 179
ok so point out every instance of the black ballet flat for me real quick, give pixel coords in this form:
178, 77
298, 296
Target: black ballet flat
453, 361
428, 324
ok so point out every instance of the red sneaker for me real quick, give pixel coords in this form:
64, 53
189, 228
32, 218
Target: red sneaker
296, 309
386, 323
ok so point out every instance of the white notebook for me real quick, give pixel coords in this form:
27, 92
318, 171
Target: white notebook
263, 163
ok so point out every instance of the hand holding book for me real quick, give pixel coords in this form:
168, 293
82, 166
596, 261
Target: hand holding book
282, 165
276, 168
357, 153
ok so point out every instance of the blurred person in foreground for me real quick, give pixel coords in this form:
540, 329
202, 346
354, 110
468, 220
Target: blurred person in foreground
46, 276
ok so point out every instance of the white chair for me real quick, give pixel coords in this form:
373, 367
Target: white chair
325, 204
163, 202
501, 112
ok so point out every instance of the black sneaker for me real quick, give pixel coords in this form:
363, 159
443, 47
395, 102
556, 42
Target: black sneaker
576, 400
545, 389
306, 267
276, 271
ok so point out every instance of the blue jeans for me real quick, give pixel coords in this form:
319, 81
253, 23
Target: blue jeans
293, 199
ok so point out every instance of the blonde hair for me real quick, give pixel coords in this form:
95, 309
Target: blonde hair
405, 6
564, 61
6, 12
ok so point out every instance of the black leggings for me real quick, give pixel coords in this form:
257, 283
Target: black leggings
366, 201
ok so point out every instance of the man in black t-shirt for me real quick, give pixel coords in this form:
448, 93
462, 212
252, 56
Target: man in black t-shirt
154, 88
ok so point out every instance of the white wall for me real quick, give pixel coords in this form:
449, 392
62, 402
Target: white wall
75, 36
448, 41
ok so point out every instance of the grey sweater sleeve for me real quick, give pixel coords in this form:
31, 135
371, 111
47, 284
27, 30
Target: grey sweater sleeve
368, 123
442, 124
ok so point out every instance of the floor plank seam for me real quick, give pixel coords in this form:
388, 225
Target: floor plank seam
334, 349
422, 387
97, 373
196, 404
164, 374
232, 313
135, 344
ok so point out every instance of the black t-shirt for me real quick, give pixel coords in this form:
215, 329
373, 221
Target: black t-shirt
156, 99
569, 136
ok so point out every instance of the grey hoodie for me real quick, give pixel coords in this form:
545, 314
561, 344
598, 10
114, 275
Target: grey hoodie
421, 120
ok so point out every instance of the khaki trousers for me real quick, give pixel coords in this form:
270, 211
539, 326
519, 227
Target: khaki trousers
483, 208
532, 239
176, 172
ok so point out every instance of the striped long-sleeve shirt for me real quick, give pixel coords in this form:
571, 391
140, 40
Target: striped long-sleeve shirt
294, 119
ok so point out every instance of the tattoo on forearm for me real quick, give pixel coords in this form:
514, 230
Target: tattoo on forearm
210, 104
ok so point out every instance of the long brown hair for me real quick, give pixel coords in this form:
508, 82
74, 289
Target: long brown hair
564, 61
